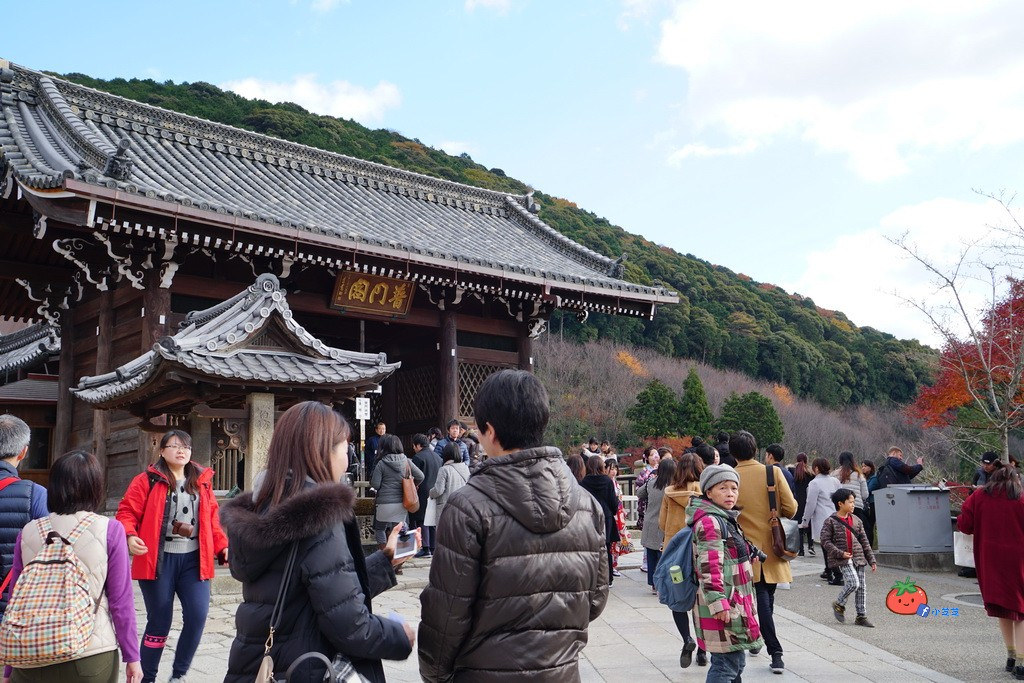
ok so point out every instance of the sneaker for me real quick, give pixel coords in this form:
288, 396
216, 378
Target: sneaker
1010, 661
810, 551
616, 572
754, 651
177, 679
840, 612
835, 582
1018, 673
777, 665
686, 656
702, 658
862, 620
825, 575
423, 552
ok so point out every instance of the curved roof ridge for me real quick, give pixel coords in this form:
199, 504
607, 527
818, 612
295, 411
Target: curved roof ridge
353, 165
556, 239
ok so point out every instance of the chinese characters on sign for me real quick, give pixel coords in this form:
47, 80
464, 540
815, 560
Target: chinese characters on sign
372, 294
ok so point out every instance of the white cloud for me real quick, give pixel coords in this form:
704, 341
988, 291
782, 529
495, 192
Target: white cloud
638, 11
867, 277
337, 98
702, 151
500, 6
457, 147
879, 82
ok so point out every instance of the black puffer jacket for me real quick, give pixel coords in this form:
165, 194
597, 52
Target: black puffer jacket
519, 572
327, 608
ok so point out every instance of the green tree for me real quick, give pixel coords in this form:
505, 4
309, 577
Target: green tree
753, 412
657, 411
694, 410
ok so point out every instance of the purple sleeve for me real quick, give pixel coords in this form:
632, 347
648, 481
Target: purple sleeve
15, 573
120, 598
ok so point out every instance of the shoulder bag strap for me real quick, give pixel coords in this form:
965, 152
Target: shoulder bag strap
836, 517
4, 483
275, 615
773, 504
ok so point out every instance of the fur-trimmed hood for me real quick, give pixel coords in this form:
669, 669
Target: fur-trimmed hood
258, 537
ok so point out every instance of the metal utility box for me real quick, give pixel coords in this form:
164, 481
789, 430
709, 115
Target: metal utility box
913, 519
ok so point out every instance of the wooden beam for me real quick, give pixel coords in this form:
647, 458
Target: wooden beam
525, 350
12, 270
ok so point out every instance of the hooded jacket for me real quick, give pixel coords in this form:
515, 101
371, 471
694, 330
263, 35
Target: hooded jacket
672, 517
388, 474
145, 506
519, 572
327, 608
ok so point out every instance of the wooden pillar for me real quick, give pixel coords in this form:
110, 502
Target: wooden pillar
525, 350
448, 369
156, 310
202, 443
261, 428
104, 342
65, 380
389, 395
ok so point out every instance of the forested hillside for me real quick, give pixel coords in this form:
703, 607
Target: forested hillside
724, 319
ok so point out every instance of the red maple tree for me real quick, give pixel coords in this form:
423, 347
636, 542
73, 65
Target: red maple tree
985, 371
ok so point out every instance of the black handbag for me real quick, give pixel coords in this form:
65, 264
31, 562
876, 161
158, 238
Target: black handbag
338, 671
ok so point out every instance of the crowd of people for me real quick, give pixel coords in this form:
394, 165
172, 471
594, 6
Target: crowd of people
523, 543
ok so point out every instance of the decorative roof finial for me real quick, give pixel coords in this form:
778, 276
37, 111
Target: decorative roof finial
618, 268
119, 164
531, 204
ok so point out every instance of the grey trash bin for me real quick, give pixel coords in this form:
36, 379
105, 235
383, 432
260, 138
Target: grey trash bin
912, 518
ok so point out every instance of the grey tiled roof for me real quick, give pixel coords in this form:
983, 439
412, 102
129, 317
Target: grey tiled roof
230, 341
52, 130
31, 390
28, 347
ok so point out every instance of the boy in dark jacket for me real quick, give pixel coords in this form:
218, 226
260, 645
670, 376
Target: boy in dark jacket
520, 568
847, 547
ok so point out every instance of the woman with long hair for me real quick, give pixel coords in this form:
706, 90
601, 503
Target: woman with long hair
74, 493
819, 507
170, 515
651, 536
802, 476
994, 514
576, 466
867, 469
672, 518
850, 477
301, 507
624, 546
392, 467
604, 491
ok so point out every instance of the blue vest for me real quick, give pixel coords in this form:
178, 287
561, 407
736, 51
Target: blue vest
15, 513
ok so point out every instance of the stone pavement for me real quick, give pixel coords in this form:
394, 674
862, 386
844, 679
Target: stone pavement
635, 639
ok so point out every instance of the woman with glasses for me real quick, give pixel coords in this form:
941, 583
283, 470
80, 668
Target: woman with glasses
171, 519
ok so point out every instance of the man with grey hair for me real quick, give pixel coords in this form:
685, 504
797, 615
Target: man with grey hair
21, 501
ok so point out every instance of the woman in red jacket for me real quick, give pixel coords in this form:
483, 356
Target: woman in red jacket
170, 515
995, 515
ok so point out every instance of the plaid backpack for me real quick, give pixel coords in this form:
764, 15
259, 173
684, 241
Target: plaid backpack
51, 614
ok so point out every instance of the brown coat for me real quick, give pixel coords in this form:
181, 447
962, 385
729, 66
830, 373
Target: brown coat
753, 520
833, 541
673, 508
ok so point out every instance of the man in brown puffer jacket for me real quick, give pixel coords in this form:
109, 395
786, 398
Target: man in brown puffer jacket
520, 568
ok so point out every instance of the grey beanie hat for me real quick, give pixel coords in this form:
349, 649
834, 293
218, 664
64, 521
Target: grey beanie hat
716, 474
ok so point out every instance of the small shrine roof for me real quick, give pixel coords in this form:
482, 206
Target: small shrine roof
28, 347
250, 340
53, 132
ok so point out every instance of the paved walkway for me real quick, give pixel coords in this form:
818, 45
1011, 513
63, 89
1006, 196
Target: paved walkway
635, 640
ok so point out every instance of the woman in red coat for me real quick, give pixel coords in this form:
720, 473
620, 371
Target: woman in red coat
170, 515
995, 515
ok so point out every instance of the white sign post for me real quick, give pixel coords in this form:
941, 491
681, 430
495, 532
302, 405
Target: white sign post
362, 414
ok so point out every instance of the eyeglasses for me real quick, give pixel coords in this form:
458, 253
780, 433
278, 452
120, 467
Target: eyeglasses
177, 447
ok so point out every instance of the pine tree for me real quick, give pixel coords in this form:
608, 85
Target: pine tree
755, 413
694, 411
657, 411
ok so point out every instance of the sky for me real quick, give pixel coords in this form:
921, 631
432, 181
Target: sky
785, 140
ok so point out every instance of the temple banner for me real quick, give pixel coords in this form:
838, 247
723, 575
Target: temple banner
372, 294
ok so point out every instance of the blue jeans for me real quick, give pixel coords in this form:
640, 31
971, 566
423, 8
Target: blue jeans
726, 667
178, 575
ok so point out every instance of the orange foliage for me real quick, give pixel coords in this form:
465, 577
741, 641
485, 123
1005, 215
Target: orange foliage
825, 313
783, 394
745, 278
633, 363
413, 148
563, 203
678, 444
